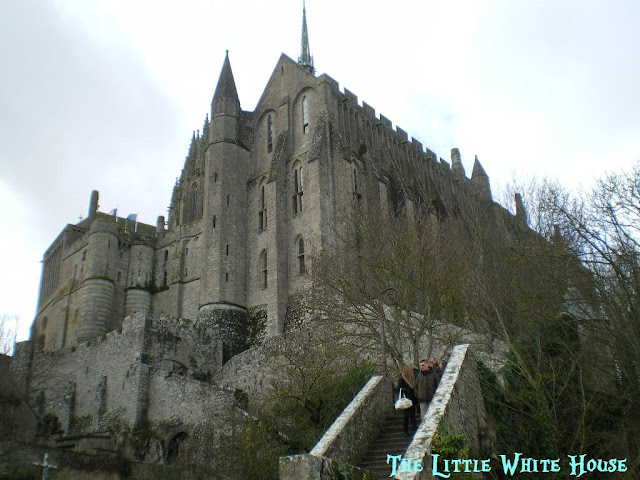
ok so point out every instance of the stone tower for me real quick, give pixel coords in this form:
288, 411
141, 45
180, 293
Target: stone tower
223, 277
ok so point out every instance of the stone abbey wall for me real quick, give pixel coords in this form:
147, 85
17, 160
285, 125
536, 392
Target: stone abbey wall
157, 369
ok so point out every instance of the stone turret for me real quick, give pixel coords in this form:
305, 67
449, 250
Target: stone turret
139, 278
457, 169
98, 286
223, 275
480, 179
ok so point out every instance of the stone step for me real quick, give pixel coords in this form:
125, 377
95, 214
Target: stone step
390, 441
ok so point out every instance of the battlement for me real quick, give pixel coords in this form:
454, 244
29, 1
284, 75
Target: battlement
369, 114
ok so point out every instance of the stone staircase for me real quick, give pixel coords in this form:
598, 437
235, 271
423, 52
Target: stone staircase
390, 441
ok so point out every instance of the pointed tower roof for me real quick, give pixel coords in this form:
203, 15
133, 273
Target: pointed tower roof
305, 59
226, 87
478, 171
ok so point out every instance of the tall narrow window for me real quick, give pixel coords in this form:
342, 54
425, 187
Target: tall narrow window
305, 115
213, 221
269, 134
297, 190
262, 214
263, 269
301, 267
357, 196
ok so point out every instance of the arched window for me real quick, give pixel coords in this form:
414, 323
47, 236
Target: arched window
262, 213
301, 268
297, 190
305, 115
269, 134
263, 269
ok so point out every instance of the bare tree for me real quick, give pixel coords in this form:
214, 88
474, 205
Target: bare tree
8, 332
602, 229
417, 256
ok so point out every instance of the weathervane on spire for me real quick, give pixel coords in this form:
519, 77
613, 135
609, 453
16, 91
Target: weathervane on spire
305, 59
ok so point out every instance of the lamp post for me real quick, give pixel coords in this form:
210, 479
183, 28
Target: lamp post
390, 296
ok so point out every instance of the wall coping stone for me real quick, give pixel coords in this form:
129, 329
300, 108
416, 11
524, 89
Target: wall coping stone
331, 435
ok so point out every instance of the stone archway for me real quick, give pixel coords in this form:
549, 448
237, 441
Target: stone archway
177, 450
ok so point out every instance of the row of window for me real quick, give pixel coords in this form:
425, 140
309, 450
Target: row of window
296, 199
305, 124
263, 263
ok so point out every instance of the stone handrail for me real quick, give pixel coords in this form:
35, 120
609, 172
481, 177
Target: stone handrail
356, 425
347, 438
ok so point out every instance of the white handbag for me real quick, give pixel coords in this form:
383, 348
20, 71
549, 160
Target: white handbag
403, 402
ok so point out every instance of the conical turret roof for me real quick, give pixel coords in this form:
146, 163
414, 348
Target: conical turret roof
478, 171
226, 87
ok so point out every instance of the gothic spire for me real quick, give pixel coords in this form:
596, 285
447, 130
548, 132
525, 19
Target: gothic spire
478, 171
226, 87
305, 59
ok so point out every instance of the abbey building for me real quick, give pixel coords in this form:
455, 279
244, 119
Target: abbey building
135, 323
261, 193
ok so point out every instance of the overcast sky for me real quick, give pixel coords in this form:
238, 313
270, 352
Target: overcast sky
105, 94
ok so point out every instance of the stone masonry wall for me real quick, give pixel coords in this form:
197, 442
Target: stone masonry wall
101, 384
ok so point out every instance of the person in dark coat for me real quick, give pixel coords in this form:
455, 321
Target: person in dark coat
406, 383
426, 383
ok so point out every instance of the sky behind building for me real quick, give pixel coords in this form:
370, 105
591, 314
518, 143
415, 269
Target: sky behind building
105, 94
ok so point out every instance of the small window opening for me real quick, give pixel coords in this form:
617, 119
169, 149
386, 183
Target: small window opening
357, 196
262, 214
164, 278
213, 221
263, 269
297, 190
269, 134
166, 255
301, 267
305, 115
